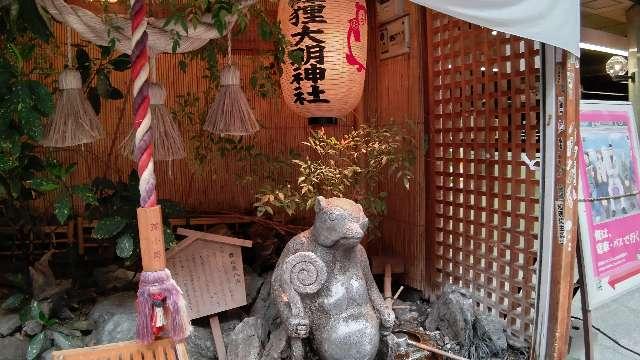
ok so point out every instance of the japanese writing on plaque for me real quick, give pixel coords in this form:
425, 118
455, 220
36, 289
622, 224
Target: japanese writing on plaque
308, 38
211, 277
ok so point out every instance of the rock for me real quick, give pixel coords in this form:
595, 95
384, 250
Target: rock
115, 319
411, 295
276, 348
13, 347
47, 355
114, 277
489, 330
265, 308
245, 342
200, 344
32, 327
453, 314
252, 282
9, 323
406, 312
82, 325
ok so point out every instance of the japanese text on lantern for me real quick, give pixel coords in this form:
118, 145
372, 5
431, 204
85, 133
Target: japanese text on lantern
307, 17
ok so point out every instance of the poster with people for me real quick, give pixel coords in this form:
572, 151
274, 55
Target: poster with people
609, 200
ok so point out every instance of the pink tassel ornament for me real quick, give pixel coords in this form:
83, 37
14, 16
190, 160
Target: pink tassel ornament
159, 286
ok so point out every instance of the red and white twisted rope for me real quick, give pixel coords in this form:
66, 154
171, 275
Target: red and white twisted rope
143, 151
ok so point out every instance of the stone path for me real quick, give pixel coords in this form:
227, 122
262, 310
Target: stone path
620, 319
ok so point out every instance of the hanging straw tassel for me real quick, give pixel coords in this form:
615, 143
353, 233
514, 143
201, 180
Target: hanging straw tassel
230, 113
167, 139
73, 122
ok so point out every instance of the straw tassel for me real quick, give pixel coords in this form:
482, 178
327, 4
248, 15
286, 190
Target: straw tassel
167, 139
73, 122
230, 114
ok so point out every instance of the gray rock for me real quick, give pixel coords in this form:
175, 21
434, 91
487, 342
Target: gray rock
488, 329
9, 323
453, 314
13, 347
115, 319
32, 327
200, 344
265, 308
406, 312
276, 348
245, 342
252, 282
114, 277
47, 355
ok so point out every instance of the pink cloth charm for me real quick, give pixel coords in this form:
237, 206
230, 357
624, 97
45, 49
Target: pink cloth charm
159, 288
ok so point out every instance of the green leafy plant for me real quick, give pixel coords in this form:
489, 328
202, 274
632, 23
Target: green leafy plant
351, 166
39, 319
115, 211
96, 74
18, 18
25, 173
55, 178
186, 15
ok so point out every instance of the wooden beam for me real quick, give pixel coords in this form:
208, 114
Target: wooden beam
565, 219
214, 237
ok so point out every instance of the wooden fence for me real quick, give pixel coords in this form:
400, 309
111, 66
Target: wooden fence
484, 202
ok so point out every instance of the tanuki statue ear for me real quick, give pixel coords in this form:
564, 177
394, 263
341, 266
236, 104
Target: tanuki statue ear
319, 204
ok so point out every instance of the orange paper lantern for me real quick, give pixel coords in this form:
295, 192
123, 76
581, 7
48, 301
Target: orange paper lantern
330, 37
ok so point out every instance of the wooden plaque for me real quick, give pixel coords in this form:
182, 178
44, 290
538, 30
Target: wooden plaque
209, 273
393, 38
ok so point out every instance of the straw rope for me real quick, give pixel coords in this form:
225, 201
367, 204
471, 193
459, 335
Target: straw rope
160, 39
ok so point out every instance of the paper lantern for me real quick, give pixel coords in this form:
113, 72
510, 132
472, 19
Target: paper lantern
330, 37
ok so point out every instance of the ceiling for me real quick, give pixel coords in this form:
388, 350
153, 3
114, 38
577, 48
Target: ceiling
605, 15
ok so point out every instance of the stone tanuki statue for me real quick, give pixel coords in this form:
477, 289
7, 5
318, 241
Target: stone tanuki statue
324, 288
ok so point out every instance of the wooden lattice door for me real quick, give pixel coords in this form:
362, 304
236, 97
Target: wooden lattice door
484, 114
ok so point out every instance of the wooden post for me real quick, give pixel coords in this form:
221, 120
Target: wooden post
214, 322
151, 239
80, 234
584, 299
151, 234
387, 285
565, 215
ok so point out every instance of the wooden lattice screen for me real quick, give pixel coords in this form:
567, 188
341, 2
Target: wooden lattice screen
484, 113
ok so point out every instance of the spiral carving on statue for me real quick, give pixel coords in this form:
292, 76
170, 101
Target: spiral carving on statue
305, 272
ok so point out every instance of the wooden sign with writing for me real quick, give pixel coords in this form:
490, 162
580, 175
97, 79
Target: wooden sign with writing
208, 269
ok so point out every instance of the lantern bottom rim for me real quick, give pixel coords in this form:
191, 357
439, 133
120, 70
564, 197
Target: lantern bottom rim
322, 120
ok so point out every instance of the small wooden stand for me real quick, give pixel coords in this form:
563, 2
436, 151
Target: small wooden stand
584, 299
217, 337
208, 268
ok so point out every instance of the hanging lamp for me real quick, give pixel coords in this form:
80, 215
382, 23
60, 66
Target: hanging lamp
230, 113
329, 42
73, 121
167, 139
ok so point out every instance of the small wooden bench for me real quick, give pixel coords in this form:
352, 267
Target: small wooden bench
163, 349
